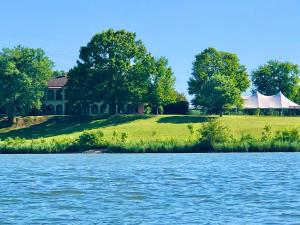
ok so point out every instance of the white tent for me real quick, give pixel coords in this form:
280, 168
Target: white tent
259, 101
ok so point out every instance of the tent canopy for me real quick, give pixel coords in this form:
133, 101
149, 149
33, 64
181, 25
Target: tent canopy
260, 101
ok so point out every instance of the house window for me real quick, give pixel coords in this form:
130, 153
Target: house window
59, 95
50, 95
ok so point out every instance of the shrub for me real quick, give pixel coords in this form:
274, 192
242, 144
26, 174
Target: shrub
90, 139
190, 126
179, 107
160, 110
124, 136
267, 134
115, 136
212, 133
147, 110
290, 136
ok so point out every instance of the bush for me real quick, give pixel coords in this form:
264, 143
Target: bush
180, 107
267, 134
289, 136
124, 137
147, 110
91, 139
212, 133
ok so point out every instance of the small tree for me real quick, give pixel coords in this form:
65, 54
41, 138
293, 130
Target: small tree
161, 85
24, 73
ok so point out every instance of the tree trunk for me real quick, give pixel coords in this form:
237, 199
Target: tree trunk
10, 111
117, 109
157, 110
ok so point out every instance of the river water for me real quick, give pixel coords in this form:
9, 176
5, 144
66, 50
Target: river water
261, 188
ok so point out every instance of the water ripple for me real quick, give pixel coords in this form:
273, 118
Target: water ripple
150, 189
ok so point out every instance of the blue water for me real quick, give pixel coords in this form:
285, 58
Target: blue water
155, 189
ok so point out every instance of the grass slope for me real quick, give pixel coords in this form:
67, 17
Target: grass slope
139, 127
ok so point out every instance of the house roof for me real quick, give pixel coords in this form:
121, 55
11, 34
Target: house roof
260, 101
58, 82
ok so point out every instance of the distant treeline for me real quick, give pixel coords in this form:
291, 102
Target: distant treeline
115, 67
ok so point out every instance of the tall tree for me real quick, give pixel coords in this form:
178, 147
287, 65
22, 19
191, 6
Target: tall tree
105, 67
296, 97
161, 85
276, 76
210, 63
221, 93
24, 73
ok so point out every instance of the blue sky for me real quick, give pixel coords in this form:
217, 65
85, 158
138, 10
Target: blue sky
256, 30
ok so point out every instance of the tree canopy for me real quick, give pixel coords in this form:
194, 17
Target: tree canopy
212, 69
275, 76
116, 68
58, 73
161, 86
24, 73
221, 93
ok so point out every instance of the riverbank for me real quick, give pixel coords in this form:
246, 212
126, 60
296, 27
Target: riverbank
148, 134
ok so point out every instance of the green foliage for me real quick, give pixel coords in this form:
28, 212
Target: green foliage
58, 73
124, 137
212, 69
107, 70
154, 134
161, 85
115, 136
214, 132
220, 94
116, 68
276, 76
24, 73
291, 135
147, 110
267, 133
180, 106
296, 97
91, 139
191, 129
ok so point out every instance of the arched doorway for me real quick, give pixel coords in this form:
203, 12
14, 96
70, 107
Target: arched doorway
59, 110
50, 110
121, 109
94, 109
130, 109
103, 109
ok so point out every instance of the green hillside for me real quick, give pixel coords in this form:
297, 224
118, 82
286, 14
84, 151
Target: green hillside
138, 127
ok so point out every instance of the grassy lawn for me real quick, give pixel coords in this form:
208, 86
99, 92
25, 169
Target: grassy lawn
141, 127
